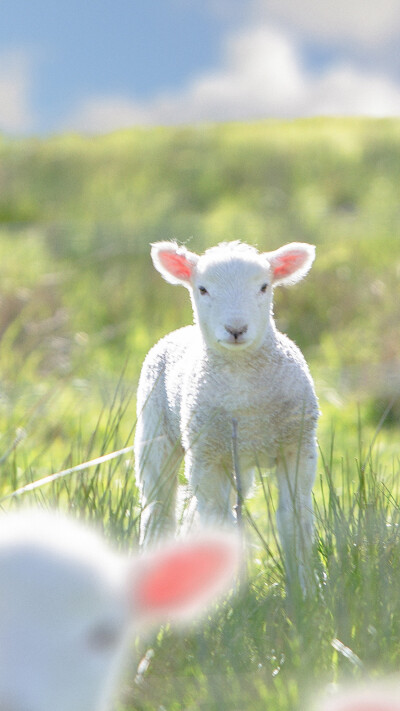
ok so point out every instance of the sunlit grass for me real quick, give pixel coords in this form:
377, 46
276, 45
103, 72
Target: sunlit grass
260, 648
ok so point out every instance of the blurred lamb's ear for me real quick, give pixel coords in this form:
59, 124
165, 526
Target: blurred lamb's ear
177, 581
176, 264
290, 263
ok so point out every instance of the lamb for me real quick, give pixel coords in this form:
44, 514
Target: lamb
372, 696
68, 602
232, 364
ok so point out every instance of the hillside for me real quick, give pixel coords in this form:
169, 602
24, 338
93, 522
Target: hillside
84, 211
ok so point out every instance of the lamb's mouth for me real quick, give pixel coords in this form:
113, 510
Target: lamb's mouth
235, 344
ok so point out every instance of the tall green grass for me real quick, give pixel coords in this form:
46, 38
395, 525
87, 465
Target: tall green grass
260, 648
265, 650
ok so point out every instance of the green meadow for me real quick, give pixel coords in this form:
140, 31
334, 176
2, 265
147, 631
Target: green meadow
80, 305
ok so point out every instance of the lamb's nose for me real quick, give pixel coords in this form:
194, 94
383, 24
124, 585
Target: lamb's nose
236, 332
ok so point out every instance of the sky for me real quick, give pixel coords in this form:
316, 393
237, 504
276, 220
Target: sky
94, 66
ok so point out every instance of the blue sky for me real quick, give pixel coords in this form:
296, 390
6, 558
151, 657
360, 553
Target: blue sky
97, 65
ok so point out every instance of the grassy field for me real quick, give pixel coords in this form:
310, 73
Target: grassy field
80, 305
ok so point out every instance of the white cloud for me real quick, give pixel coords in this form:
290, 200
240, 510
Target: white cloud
262, 75
16, 115
346, 91
366, 22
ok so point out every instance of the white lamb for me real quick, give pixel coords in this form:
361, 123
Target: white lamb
372, 696
231, 364
68, 602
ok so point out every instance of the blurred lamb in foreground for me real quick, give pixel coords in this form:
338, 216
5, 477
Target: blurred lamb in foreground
231, 365
372, 696
68, 603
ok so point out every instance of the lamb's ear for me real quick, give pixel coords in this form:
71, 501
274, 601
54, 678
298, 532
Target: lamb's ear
290, 263
175, 263
177, 581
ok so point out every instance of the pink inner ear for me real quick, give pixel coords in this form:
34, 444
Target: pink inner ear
286, 264
176, 264
179, 578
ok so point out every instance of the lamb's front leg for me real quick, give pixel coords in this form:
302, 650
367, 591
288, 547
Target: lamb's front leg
296, 474
157, 465
211, 483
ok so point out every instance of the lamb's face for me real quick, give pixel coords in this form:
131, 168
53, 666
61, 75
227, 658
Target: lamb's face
231, 287
61, 628
231, 300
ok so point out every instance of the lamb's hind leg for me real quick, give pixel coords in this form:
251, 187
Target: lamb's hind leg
157, 465
296, 475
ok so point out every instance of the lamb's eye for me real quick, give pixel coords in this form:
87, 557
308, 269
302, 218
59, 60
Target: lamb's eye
203, 290
264, 288
102, 637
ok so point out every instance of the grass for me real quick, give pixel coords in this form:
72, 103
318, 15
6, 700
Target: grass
265, 650
79, 307
260, 648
